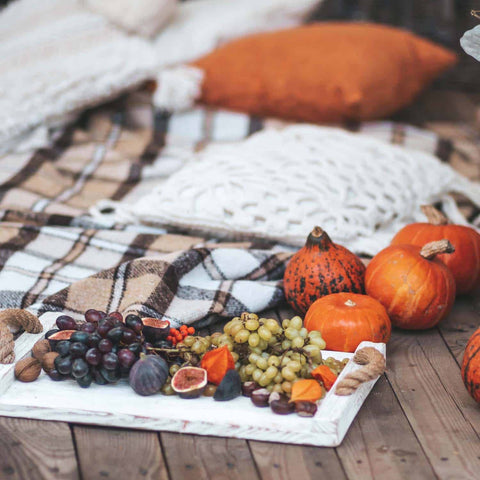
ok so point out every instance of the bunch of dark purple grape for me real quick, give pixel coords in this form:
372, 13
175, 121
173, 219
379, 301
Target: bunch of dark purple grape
102, 349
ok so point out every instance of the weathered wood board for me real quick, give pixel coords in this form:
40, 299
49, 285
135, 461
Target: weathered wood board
118, 405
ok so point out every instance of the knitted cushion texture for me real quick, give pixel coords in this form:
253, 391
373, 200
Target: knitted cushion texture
278, 184
326, 72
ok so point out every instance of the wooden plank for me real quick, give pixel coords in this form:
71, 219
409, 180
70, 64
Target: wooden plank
190, 457
381, 443
449, 441
115, 453
277, 461
460, 325
36, 450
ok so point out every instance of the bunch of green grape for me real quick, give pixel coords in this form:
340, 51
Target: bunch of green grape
272, 355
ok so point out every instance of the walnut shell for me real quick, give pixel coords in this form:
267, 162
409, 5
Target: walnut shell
48, 361
28, 369
40, 349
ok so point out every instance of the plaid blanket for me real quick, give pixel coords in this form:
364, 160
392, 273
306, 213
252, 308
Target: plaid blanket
48, 240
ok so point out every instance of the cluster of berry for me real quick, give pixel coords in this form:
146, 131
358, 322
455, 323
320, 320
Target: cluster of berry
177, 335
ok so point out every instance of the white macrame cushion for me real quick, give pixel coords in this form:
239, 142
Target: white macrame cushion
278, 184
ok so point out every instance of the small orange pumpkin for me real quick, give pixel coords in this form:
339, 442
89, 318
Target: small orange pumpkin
471, 366
346, 319
464, 263
415, 287
320, 268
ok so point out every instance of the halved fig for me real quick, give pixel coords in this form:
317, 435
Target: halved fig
155, 329
189, 382
56, 336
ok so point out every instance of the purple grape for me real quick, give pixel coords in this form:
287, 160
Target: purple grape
110, 361
79, 368
64, 322
93, 339
77, 350
88, 327
105, 345
115, 334
55, 375
93, 316
93, 356
104, 327
116, 315
128, 336
134, 322
126, 358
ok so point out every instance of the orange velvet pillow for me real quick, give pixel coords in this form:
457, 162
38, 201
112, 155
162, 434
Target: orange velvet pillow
325, 72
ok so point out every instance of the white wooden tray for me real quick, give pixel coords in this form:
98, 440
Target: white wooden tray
118, 405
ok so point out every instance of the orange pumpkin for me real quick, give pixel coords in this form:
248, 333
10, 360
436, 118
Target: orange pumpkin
471, 366
414, 286
320, 268
346, 319
464, 263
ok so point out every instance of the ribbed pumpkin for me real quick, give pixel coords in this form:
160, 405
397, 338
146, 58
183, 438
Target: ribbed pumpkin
320, 268
471, 366
464, 263
415, 287
346, 319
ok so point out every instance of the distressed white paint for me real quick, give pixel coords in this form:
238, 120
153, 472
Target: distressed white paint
118, 405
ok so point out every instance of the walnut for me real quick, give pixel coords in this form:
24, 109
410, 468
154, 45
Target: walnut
48, 361
28, 369
40, 349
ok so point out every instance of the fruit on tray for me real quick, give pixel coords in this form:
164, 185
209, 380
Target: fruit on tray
324, 375
230, 387
280, 404
189, 382
307, 390
217, 363
155, 329
320, 268
471, 366
148, 375
464, 262
347, 319
54, 336
415, 287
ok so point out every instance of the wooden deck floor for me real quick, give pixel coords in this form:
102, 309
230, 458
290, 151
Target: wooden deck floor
418, 423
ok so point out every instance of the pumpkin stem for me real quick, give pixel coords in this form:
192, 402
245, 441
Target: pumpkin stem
318, 237
432, 249
350, 303
434, 216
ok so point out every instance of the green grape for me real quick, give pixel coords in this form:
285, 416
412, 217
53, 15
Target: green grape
174, 369
296, 323
188, 341
272, 341
253, 357
277, 388
265, 355
269, 388
294, 366
303, 332
235, 329
263, 381
295, 356
262, 363
287, 387
257, 373
278, 378
286, 344
304, 372
298, 342
242, 336
252, 324
243, 374
319, 341
253, 339
271, 372
197, 347
291, 333
285, 323
224, 338
272, 325
312, 350
235, 356
264, 333
262, 345
256, 350
288, 374
303, 359
227, 327
273, 360
250, 368
285, 360
314, 333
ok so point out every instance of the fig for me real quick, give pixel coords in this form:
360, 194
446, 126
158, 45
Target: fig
59, 335
155, 329
230, 387
148, 374
189, 382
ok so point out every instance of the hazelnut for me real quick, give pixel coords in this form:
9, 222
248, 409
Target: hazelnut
40, 349
48, 361
28, 369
